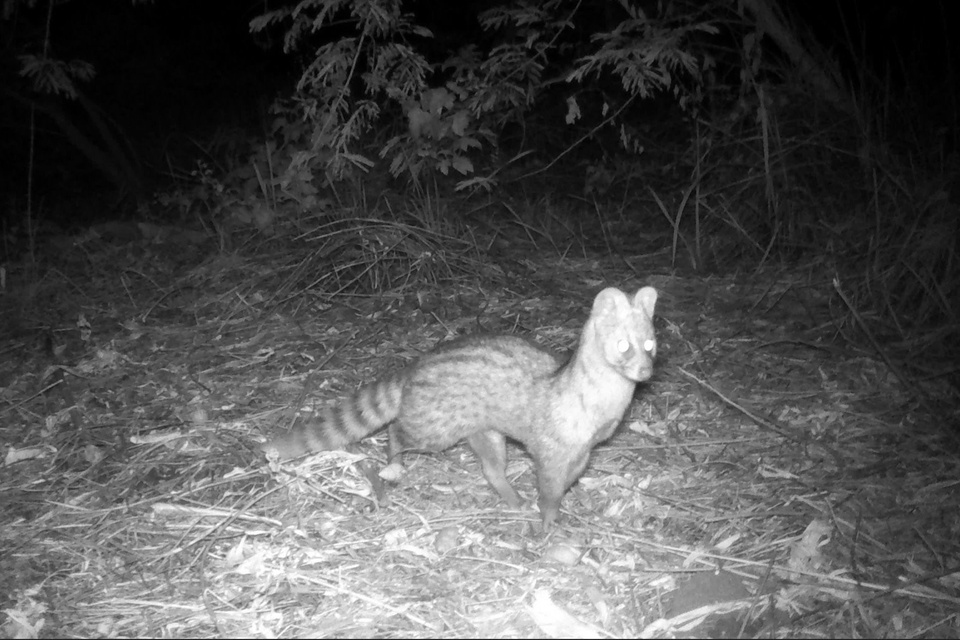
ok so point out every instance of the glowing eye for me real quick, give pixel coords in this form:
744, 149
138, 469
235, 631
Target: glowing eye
623, 345
648, 345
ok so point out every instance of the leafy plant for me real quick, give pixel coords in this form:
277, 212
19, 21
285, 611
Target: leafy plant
445, 114
46, 83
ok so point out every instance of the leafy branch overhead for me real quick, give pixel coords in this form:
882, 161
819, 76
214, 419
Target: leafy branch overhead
370, 62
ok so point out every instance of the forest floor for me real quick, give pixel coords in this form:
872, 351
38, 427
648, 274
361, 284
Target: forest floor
771, 480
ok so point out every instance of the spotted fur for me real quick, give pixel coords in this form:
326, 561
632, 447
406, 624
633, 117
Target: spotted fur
486, 388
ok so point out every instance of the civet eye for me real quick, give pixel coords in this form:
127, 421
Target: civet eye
648, 345
623, 345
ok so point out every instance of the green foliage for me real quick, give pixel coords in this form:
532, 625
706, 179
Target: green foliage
55, 77
645, 55
372, 73
339, 90
51, 82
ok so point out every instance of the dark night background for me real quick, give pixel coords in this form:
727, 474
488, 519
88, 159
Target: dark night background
172, 74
